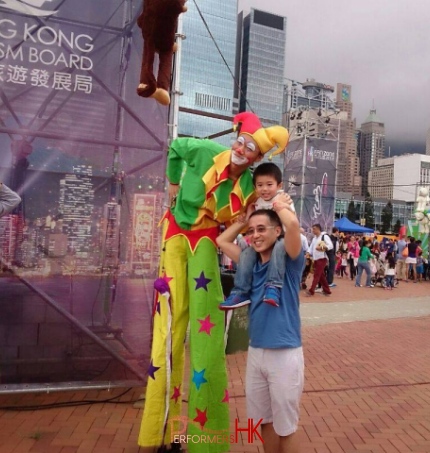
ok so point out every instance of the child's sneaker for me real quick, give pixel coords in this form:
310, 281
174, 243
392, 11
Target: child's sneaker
272, 295
234, 301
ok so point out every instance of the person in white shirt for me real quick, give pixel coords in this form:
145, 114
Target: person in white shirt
319, 245
9, 200
304, 239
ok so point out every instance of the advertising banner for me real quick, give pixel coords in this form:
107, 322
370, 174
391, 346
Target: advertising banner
310, 179
87, 156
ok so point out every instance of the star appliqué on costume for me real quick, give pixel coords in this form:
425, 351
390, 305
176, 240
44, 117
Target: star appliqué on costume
166, 278
176, 393
199, 378
226, 398
206, 325
202, 282
201, 417
152, 370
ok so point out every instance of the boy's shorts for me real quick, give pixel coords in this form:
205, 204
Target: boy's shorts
274, 385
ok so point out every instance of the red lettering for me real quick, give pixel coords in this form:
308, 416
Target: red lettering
251, 430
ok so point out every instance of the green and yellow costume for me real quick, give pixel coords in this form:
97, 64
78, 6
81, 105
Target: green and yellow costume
189, 263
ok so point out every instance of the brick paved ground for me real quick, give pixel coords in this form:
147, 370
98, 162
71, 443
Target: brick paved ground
367, 391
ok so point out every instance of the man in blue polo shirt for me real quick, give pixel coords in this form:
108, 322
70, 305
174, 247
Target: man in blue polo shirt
275, 368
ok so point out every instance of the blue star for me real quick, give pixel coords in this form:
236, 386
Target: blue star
198, 378
152, 370
202, 281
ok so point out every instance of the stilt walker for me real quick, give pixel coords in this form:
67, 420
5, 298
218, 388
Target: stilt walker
209, 185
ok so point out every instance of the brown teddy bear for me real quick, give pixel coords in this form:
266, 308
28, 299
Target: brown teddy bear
158, 22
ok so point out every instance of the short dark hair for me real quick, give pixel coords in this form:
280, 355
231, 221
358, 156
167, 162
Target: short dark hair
334, 230
273, 217
268, 169
317, 225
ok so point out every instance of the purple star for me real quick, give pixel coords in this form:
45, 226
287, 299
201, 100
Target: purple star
202, 281
152, 370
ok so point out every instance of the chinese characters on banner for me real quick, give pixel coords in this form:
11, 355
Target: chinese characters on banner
42, 78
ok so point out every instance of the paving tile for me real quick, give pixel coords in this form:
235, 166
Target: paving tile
366, 391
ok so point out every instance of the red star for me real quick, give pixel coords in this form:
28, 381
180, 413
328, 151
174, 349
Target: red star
201, 417
166, 278
226, 398
206, 325
176, 393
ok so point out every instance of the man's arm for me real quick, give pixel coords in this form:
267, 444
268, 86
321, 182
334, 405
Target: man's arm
292, 239
225, 240
194, 152
8, 200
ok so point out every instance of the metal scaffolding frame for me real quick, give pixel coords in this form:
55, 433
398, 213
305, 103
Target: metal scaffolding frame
27, 133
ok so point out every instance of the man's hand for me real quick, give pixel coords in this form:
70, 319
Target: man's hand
173, 192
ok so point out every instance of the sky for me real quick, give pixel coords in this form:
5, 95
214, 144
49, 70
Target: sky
380, 47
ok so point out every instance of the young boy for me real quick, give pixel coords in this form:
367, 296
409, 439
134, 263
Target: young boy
420, 266
267, 180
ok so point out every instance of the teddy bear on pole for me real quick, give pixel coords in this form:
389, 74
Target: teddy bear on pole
158, 22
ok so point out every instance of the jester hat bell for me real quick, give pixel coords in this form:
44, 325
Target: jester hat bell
266, 138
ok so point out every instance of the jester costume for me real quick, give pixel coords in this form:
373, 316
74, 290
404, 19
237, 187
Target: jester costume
191, 290
189, 264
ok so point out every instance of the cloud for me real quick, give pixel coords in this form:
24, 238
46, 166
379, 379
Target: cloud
378, 47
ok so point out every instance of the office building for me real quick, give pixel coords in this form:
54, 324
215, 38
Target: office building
371, 146
348, 168
262, 57
400, 177
206, 104
428, 142
76, 206
402, 210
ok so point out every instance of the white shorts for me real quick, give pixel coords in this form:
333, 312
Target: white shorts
411, 260
274, 385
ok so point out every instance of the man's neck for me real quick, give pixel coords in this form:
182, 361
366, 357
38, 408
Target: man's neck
234, 172
266, 255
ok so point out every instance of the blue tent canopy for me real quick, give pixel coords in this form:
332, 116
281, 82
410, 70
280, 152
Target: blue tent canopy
344, 224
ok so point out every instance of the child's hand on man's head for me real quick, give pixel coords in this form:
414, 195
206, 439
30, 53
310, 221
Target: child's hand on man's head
283, 201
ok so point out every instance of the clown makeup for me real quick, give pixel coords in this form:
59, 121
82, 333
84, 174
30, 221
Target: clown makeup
244, 151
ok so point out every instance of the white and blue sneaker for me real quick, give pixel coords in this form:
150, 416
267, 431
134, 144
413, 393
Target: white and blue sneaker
235, 301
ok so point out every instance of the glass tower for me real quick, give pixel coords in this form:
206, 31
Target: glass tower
206, 105
262, 68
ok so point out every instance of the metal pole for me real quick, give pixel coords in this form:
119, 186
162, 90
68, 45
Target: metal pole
176, 93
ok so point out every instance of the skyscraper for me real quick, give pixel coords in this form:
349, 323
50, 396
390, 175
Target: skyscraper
206, 105
348, 175
371, 145
428, 142
76, 207
262, 66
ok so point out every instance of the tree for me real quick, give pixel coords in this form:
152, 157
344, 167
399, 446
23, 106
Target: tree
350, 214
397, 226
369, 216
387, 218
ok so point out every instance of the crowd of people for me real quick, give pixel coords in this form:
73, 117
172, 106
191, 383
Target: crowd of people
350, 256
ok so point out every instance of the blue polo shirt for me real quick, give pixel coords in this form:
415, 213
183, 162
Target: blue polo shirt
276, 327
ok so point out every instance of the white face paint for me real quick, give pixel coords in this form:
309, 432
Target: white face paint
237, 159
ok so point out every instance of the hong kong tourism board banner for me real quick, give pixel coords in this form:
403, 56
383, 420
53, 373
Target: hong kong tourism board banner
310, 178
87, 156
